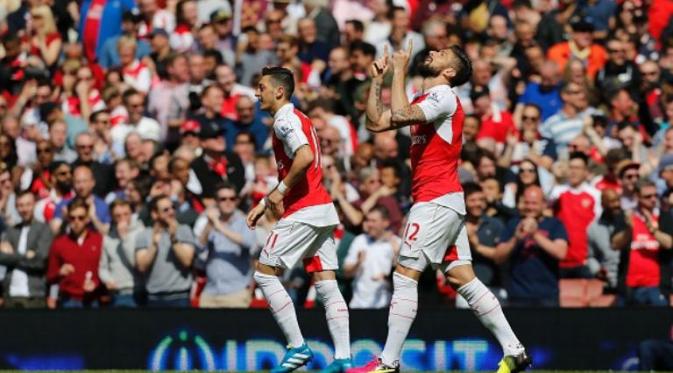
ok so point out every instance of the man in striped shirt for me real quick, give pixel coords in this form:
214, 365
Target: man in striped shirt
565, 125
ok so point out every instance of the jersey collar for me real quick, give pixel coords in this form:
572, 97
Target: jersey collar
284, 110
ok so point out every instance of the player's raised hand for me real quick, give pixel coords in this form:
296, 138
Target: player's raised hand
401, 57
380, 66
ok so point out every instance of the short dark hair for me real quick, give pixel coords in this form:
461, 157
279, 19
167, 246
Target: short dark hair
53, 166
644, 183
385, 214
357, 24
281, 76
225, 184
463, 67
77, 202
579, 155
471, 187
25, 192
95, 114
130, 92
120, 202
364, 47
154, 202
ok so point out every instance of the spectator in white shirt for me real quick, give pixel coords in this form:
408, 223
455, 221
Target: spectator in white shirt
370, 261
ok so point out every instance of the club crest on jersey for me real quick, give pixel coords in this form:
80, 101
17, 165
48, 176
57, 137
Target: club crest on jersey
586, 202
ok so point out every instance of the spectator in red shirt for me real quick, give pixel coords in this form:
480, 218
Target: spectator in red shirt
642, 238
495, 123
73, 259
577, 205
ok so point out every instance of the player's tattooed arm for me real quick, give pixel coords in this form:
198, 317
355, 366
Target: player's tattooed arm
377, 119
408, 114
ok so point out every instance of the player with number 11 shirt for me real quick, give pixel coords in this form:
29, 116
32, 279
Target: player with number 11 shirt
304, 231
435, 234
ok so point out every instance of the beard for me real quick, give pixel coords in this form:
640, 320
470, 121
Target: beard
427, 71
63, 187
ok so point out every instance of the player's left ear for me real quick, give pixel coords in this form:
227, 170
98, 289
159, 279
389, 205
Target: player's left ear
448, 73
279, 92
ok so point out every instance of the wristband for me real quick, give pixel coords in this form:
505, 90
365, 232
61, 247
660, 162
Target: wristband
282, 188
263, 202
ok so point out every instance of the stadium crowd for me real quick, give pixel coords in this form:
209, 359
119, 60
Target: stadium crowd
132, 145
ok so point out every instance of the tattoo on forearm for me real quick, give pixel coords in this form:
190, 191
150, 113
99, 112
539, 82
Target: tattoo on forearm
377, 92
404, 115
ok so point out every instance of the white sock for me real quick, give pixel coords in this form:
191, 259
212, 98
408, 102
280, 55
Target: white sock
282, 307
336, 312
403, 306
487, 309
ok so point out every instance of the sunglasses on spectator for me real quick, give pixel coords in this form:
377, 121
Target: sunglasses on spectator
526, 118
615, 50
630, 176
85, 146
77, 217
523, 170
223, 199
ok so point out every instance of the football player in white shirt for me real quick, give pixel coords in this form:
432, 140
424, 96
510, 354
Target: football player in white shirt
304, 231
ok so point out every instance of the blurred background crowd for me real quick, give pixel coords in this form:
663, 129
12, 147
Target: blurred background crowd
132, 146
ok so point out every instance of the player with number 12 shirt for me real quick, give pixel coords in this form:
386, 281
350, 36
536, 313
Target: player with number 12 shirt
435, 233
304, 231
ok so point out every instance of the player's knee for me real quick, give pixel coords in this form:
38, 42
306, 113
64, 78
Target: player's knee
459, 275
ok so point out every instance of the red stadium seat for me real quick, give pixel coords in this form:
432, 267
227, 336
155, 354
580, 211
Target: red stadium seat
573, 293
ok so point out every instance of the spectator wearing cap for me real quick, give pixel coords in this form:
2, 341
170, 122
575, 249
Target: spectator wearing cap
581, 46
168, 102
223, 26
250, 121
627, 171
643, 237
146, 127
130, 26
215, 164
496, 124
576, 204
189, 136
206, 8
568, 123
100, 22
